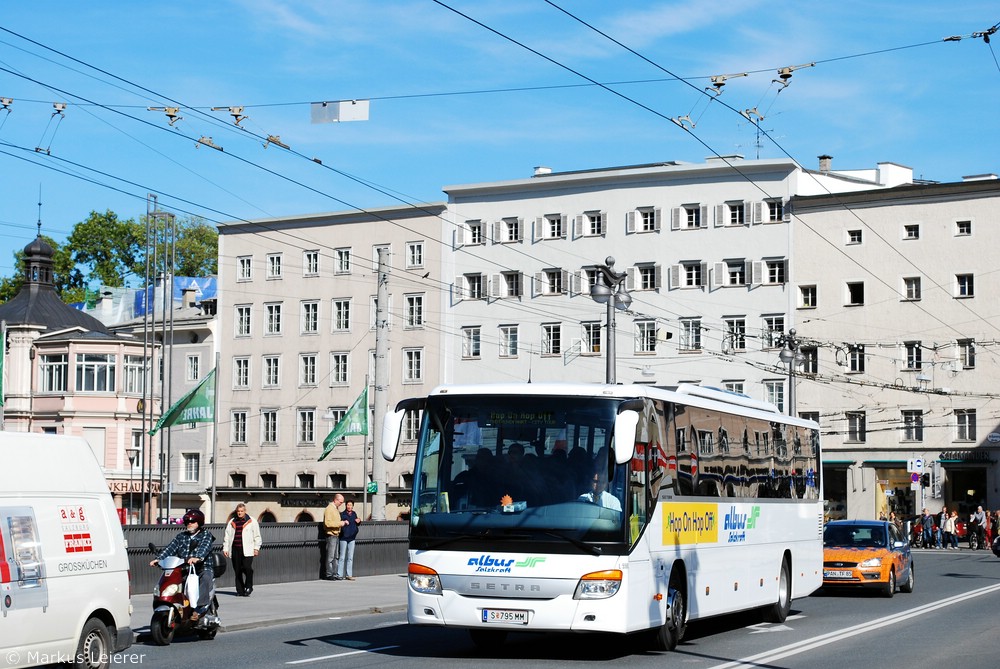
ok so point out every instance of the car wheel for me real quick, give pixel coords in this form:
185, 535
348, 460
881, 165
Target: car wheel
94, 648
907, 586
890, 587
777, 612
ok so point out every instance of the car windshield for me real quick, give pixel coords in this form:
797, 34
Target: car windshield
854, 536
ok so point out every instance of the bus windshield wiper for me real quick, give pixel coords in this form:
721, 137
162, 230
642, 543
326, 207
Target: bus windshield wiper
458, 537
582, 545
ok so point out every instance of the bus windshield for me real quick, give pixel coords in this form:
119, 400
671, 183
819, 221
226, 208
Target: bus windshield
518, 468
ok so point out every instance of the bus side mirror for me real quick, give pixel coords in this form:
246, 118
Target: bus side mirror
391, 427
625, 425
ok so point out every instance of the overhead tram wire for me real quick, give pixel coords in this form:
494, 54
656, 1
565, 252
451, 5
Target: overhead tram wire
766, 134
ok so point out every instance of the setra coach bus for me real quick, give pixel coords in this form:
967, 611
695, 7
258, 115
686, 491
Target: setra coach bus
607, 508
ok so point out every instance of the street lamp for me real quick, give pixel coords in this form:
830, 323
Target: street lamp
610, 290
133, 453
791, 356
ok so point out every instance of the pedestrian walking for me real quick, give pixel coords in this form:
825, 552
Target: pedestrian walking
927, 529
241, 543
345, 567
333, 524
951, 531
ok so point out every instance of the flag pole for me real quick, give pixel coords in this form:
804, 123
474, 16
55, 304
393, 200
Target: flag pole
215, 439
3, 365
364, 466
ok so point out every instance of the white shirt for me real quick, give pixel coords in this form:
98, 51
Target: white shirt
605, 499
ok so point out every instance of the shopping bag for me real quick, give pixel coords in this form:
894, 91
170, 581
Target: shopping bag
191, 588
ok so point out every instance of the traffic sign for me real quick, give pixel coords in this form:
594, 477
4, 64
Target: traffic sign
914, 478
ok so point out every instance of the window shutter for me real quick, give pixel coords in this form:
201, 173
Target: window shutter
562, 226
675, 218
630, 273
574, 284
656, 219
658, 277
539, 226
457, 288
495, 285
704, 274
758, 213
757, 272
520, 230
703, 216
720, 215
675, 276
718, 274
460, 235
539, 283
747, 212
577, 227
630, 222
604, 224
564, 280
498, 236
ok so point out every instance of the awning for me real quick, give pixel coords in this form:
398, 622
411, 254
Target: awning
884, 463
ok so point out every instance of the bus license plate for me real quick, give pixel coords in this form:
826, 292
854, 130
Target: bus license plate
833, 573
510, 616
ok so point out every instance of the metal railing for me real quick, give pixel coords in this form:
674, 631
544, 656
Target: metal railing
290, 551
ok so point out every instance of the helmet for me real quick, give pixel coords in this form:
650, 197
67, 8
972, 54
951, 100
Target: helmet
194, 516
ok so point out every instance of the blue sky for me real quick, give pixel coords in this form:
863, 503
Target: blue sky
885, 87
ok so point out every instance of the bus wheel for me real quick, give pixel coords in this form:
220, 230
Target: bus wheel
488, 639
668, 635
777, 612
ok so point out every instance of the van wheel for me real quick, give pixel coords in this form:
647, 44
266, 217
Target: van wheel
777, 612
488, 639
94, 649
160, 628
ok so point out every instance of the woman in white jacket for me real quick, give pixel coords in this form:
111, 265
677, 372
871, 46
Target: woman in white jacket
242, 543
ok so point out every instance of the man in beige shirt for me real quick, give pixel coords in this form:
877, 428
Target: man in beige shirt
333, 524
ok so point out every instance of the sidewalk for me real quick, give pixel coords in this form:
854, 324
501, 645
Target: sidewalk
279, 603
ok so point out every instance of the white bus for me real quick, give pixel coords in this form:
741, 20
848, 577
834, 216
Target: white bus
618, 508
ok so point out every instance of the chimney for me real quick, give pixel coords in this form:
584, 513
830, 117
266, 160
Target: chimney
824, 163
541, 171
188, 297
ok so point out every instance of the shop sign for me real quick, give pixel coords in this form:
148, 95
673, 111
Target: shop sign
965, 456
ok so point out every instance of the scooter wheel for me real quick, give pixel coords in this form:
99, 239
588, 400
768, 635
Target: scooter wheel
160, 629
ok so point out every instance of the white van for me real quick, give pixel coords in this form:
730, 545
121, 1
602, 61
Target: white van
64, 579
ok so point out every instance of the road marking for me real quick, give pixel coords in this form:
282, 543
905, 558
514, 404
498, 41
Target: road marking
767, 657
350, 652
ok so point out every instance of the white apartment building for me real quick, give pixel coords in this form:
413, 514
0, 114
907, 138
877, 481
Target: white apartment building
895, 298
297, 340
705, 248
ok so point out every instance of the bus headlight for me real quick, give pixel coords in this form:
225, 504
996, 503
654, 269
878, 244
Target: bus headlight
424, 579
599, 584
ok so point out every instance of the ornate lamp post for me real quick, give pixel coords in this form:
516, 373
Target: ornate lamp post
610, 290
791, 356
133, 453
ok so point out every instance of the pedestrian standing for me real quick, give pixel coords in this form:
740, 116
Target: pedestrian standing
951, 531
942, 519
241, 543
927, 529
345, 567
333, 524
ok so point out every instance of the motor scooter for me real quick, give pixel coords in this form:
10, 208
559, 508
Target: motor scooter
172, 611
996, 545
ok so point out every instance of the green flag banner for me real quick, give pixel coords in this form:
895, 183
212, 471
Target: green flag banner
355, 421
197, 406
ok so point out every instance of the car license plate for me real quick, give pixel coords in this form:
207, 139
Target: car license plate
837, 573
511, 616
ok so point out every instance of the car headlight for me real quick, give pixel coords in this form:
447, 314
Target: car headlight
599, 584
871, 562
424, 579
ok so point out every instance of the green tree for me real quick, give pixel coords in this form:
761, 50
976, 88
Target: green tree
106, 247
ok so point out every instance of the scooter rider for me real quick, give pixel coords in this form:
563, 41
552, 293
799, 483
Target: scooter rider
194, 545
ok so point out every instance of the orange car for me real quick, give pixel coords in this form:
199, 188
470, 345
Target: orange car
866, 554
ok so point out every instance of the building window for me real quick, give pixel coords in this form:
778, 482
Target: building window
552, 226
855, 293
966, 422
238, 480
310, 317
269, 426
963, 228
192, 367
967, 353
272, 318
552, 282
306, 426
914, 355
775, 210
551, 338
591, 338
53, 373
810, 359
911, 231
334, 415
857, 431
690, 339
307, 369
645, 336
305, 481
854, 236
268, 480
736, 335
511, 284
643, 219
691, 216
511, 230
339, 368
736, 273
774, 392
773, 327
692, 275
135, 374
341, 315
411, 426
414, 310
413, 369
238, 427
243, 316
272, 371
735, 213
508, 341
648, 277
775, 271
274, 266
913, 425
965, 285
856, 358
474, 233
733, 386
470, 342
342, 261
414, 255
310, 263
473, 287
593, 224
191, 467
807, 297
244, 268
241, 373
911, 288
95, 372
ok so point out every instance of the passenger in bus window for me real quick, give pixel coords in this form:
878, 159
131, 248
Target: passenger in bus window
599, 493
